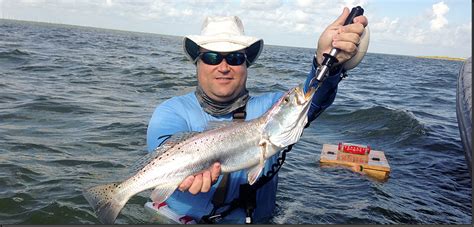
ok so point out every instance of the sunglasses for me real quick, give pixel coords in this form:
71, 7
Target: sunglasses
214, 58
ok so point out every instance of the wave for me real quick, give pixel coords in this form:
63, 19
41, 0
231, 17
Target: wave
130, 128
35, 147
14, 53
98, 164
44, 104
378, 122
40, 68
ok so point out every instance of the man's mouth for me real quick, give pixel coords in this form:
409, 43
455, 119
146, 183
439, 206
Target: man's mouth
224, 78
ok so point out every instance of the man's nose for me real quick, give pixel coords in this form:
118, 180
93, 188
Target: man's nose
223, 67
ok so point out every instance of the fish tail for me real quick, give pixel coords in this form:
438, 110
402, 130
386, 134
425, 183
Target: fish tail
105, 201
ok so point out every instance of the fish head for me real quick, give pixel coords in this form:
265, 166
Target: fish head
286, 119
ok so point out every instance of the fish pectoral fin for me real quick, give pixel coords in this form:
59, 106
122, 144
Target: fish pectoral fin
263, 144
162, 193
254, 172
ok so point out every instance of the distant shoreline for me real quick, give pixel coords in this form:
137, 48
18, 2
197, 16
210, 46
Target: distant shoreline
443, 58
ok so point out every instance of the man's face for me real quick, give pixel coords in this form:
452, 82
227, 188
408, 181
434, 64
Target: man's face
221, 82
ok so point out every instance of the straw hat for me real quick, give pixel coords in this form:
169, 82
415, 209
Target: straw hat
222, 34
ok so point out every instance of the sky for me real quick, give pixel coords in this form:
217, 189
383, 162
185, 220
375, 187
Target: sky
400, 27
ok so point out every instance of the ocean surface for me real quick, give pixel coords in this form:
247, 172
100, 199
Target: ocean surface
75, 104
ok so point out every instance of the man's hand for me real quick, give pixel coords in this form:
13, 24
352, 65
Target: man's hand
346, 38
201, 182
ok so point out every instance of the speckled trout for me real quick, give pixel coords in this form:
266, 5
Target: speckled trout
236, 145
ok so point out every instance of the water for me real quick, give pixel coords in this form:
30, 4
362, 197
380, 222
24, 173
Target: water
75, 104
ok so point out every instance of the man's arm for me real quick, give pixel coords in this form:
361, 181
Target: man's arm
346, 39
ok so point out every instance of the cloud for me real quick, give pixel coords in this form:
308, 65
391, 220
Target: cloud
354, 3
260, 5
439, 21
405, 30
428, 31
307, 17
385, 25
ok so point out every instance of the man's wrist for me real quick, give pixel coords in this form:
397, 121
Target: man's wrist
334, 70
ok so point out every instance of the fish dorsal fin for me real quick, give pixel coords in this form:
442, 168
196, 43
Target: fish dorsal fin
178, 137
211, 125
168, 143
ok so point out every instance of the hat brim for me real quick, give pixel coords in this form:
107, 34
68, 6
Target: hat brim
253, 46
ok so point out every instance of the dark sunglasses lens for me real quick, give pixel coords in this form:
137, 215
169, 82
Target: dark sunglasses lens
235, 58
211, 58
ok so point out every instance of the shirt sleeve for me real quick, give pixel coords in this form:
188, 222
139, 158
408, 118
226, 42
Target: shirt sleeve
164, 122
325, 95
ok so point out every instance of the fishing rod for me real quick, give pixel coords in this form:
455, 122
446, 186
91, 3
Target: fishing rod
330, 59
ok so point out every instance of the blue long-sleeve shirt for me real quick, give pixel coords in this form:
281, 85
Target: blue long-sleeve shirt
184, 113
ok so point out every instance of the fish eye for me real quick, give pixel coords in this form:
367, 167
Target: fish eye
286, 100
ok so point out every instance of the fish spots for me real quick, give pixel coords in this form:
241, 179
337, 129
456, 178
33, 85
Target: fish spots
111, 188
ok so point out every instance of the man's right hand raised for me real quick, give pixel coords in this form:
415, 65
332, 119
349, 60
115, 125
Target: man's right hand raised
201, 182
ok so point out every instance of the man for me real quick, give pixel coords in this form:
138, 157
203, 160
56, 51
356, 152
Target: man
222, 54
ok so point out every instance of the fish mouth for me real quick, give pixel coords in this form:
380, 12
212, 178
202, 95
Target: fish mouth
310, 93
303, 97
